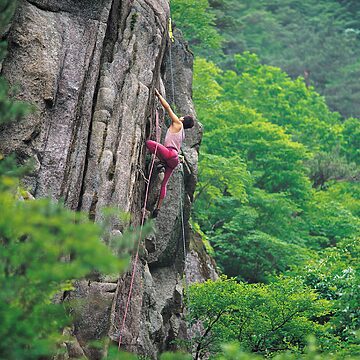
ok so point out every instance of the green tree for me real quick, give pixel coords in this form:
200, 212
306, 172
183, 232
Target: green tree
329, 221
44, 248
279, 137
325, 167
254, 256
219, 177
282, 101
196, 21
233, 351
262, 318
351, 144
251, 121
275, 162
289, 34
335, 276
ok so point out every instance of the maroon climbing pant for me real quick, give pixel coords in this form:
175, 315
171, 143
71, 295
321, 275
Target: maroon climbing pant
169, 157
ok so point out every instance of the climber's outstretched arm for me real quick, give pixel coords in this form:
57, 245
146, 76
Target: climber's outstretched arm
168, 109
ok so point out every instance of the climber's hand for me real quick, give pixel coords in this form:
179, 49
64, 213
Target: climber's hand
157, 92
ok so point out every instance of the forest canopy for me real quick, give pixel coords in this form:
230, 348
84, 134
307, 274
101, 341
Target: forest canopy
278, 192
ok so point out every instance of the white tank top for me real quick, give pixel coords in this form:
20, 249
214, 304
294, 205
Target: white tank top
174, 140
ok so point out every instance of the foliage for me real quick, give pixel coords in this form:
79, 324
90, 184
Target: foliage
263, 318
351, 134
115, 354
249, 145
196, 20
335, 276
329, 221
207, 91
233, 351
282, 101
254, 256
219, 177
317, 40
293, 163
328, 166
10, 110
7, 8
175, 356
346, 193
44, 247
275, 162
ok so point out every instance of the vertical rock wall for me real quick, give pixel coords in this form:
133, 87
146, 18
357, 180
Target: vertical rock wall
90, 67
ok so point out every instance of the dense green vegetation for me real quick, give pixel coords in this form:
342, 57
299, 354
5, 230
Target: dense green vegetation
278, 197
263, 318
278, 192
265, 201
315, 39
44, 248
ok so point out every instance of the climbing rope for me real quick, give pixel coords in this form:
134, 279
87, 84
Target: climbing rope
171, 37
140, 234
146, 199
157, 132
182, 190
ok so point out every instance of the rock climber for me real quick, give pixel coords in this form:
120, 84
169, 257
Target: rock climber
169, 152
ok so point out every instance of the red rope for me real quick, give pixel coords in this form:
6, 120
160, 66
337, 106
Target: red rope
157, 126
139, 240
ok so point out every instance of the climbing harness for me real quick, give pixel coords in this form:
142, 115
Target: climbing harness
139, 240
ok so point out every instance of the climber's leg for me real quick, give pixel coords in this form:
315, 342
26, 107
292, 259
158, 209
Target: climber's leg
168, 172
162, 152
169, 157
173, 162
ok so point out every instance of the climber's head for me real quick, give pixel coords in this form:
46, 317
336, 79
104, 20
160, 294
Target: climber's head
188, 121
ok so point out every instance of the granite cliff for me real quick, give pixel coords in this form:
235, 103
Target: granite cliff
90, 67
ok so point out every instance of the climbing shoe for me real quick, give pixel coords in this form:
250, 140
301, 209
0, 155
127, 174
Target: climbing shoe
155, 213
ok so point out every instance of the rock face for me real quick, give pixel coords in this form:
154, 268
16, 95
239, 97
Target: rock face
199, 265
90, 67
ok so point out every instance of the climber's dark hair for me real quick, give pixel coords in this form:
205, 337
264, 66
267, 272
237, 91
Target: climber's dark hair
188, 122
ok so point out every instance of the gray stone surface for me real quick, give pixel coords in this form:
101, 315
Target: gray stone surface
199, 265
54, 59
90, 68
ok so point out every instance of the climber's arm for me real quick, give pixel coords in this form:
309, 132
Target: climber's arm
168, 109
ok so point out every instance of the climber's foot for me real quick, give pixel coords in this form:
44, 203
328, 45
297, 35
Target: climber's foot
155, 213
160, 167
